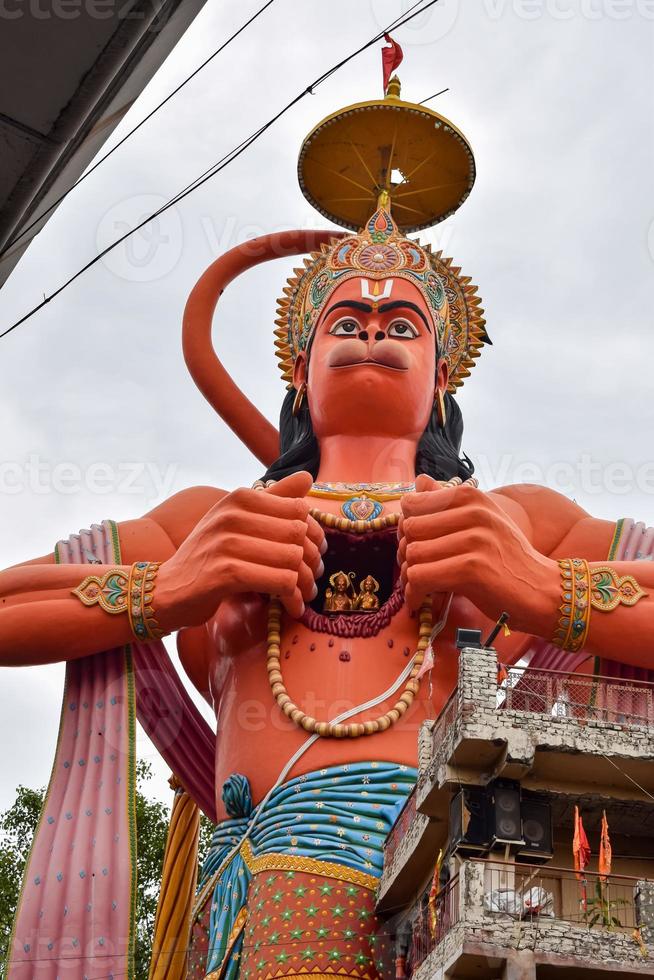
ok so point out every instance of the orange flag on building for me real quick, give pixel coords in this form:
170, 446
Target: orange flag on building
433, 892
580, 845
605, 849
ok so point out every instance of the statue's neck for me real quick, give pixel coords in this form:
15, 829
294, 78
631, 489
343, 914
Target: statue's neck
367, 459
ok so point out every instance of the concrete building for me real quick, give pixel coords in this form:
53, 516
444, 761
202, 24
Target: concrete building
500, 773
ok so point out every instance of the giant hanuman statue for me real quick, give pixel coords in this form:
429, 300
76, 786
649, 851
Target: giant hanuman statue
309, 607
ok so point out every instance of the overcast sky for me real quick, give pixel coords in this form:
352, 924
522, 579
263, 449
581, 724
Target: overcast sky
556, 98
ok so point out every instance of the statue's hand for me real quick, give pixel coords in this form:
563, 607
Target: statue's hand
251, 541
458, 539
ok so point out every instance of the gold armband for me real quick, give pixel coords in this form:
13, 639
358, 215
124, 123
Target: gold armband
583, 589
118, 592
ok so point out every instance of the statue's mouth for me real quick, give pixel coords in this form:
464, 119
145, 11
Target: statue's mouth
370, 361
388, 354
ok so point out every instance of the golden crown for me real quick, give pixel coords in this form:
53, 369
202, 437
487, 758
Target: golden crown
380, 251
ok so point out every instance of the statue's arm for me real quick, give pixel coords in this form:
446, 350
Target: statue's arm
624, 633
210, 544
42, 622
501, 551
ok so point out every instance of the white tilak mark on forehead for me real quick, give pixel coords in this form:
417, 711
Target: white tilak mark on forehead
376, 296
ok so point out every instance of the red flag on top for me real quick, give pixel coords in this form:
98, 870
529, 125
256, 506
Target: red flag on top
392, 55
605, 853
580, 845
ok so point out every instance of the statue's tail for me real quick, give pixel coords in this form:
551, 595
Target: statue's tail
255, 431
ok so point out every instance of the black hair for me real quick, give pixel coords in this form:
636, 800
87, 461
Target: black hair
437, 455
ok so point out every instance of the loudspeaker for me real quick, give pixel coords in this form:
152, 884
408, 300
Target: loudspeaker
537, 832
505, 813
469, 830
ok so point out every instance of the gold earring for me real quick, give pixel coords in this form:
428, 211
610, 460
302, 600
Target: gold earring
299, 398
441, 413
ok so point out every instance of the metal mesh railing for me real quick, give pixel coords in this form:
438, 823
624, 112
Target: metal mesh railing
429, 928
531, 892
579, 696
445, 720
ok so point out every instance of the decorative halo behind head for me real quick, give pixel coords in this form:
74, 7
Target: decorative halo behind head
380, 251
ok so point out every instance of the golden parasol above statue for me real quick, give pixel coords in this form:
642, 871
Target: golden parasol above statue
415, 155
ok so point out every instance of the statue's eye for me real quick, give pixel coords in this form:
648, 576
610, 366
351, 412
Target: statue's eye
403, 330
347, 327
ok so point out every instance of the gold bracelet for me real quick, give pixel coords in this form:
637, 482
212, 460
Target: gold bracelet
585, 588
118, 591
141, 610
572, 628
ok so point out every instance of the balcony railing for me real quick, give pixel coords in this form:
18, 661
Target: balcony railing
582, 697
446, 719
400, 828
430, 926
528, 894
533, 892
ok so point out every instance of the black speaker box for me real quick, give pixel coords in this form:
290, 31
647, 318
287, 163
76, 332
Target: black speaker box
469, 828
536, 832
506, 820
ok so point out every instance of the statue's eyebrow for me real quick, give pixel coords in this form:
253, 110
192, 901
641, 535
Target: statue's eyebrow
397, 303
352, 304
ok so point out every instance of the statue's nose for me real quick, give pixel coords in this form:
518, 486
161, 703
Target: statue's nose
372, 335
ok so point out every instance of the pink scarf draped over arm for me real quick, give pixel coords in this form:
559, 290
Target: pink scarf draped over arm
75, 915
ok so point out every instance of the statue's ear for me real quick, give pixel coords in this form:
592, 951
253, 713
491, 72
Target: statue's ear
442, 374
300, 370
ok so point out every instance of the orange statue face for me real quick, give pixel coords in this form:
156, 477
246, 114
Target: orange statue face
372, 361
341, 583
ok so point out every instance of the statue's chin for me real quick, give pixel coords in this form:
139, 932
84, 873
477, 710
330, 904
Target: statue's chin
369, 399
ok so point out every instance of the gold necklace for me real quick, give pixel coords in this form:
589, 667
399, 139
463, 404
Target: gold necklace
327, 729
377, 492
365, 526
373, 491
363, 503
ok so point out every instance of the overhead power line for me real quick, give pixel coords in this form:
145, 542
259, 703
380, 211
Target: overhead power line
442, 92
127, 136
225, 160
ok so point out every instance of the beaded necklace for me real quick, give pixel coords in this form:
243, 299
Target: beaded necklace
327, 729
369, 492
336, 523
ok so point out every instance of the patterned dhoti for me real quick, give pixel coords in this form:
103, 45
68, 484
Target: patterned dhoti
297, 896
